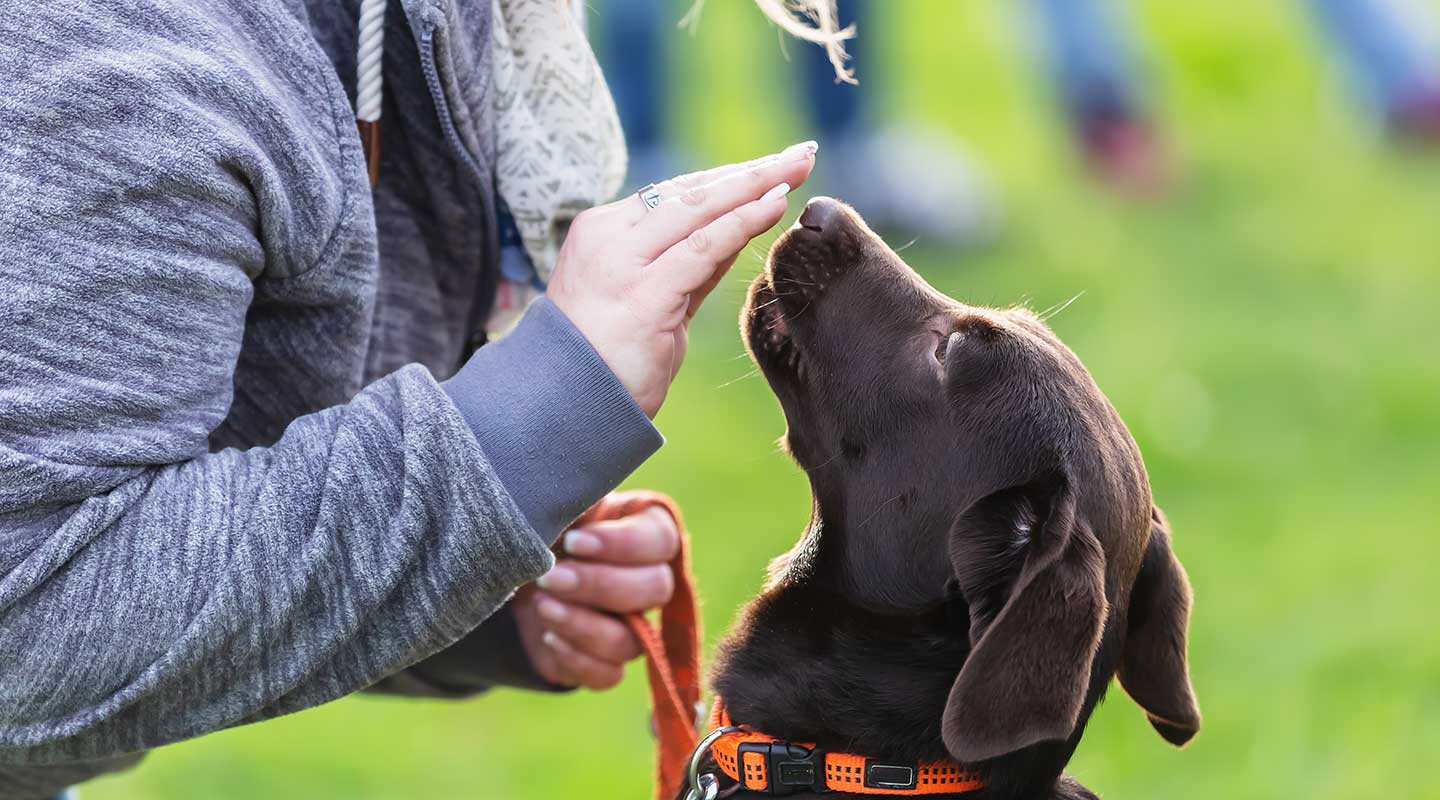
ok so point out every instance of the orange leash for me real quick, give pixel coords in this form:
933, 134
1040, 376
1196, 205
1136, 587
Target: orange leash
672, 653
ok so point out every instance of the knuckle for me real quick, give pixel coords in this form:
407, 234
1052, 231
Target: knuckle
546, 666
666, 531
582, 224
633, 538
613, 530
556, 674
699, 240
584, 580
605, 678
558, 669
573, 628
630, 649
735, 225
693, 196
662, 585
620, 643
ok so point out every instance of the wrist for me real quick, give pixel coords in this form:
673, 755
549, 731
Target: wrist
606, 331
553, 419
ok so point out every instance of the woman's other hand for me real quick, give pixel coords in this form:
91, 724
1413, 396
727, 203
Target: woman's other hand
630, 277
567, 619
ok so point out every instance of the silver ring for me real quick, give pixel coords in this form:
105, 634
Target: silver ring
649, 195
699, 789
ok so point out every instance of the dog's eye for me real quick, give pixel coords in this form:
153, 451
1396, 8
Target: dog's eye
942, 347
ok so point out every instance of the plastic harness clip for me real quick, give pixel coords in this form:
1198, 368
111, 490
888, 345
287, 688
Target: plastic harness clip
789, 768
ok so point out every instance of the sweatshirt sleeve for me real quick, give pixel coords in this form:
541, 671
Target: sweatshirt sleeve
152, 590
565, 443
237, 586
488, 657
560, 431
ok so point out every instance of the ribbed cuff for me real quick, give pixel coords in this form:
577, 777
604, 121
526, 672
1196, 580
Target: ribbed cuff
489, 656
559, 428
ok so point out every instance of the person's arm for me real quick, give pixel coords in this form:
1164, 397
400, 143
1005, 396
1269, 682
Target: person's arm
565, 630
152, 590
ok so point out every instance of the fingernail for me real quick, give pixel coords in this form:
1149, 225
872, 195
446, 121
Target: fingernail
560, 578
774, 194
550, 609
802, 151
582, 543
551, 640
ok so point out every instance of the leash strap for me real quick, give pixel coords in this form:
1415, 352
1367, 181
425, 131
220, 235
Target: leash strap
761, 763
672, 652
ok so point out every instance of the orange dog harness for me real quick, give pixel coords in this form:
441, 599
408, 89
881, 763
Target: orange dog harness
756, 762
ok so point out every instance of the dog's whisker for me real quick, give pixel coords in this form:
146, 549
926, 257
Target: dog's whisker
785, 269
779, 449
797, 281
1055, 310
752, 373
782, 265
776, 323
822, 463
878, 509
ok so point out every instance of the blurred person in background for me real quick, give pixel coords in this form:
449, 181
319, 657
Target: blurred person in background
1392, 55
912, 180
1388, 47
901, 178
905, 177
256, 453
1091, 56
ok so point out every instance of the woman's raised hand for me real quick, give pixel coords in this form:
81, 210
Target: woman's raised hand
630, 277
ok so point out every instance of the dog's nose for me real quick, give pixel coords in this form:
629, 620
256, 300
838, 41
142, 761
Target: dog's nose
820, 214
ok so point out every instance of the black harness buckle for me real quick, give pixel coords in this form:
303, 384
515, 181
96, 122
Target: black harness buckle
789, 768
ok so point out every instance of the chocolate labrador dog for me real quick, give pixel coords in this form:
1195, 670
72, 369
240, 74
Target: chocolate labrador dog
983, 555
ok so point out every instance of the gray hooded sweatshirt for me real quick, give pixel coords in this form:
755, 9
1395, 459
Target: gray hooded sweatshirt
232, 482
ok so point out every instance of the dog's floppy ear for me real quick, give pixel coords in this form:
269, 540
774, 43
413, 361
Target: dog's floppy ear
1152, 666
1034, 576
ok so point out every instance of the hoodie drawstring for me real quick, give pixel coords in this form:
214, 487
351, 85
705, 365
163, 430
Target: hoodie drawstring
370, 82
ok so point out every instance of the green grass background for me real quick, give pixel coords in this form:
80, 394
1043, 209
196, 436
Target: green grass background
1269, 336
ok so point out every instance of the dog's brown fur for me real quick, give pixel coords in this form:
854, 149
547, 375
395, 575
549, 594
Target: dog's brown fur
983, 554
